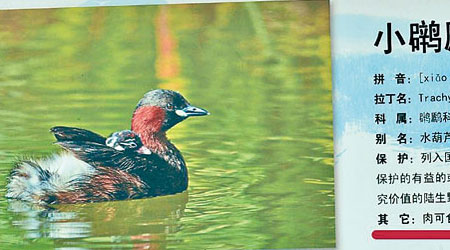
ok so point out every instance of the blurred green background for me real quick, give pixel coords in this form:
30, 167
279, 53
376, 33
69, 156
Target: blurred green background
260, 166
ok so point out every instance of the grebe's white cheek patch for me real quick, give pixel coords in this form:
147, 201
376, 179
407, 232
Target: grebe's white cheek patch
180, 113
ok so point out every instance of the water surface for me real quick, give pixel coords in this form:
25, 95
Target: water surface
260, 166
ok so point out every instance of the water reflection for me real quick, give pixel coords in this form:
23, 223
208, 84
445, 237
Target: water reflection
260, 167
141, 223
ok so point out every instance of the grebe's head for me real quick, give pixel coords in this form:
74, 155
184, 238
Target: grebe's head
160, 109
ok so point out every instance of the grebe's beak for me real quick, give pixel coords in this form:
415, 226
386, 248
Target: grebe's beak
191, 111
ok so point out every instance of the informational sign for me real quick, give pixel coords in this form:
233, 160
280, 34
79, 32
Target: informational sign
391, 124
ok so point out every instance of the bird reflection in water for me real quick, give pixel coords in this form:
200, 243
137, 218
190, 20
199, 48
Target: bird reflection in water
140, 224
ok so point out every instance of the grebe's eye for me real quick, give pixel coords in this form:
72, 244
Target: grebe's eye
169, 106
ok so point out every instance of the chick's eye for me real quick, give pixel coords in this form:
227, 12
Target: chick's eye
169, 106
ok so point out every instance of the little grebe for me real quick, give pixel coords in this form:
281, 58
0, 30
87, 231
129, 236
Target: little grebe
127, 165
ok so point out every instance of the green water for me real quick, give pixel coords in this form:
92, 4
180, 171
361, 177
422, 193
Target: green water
260, 166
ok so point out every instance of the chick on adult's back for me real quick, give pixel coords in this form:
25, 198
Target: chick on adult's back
133, 164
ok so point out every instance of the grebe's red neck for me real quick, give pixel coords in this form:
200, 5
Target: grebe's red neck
147, 121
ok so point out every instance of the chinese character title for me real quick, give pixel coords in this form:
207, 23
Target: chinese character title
423, 37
